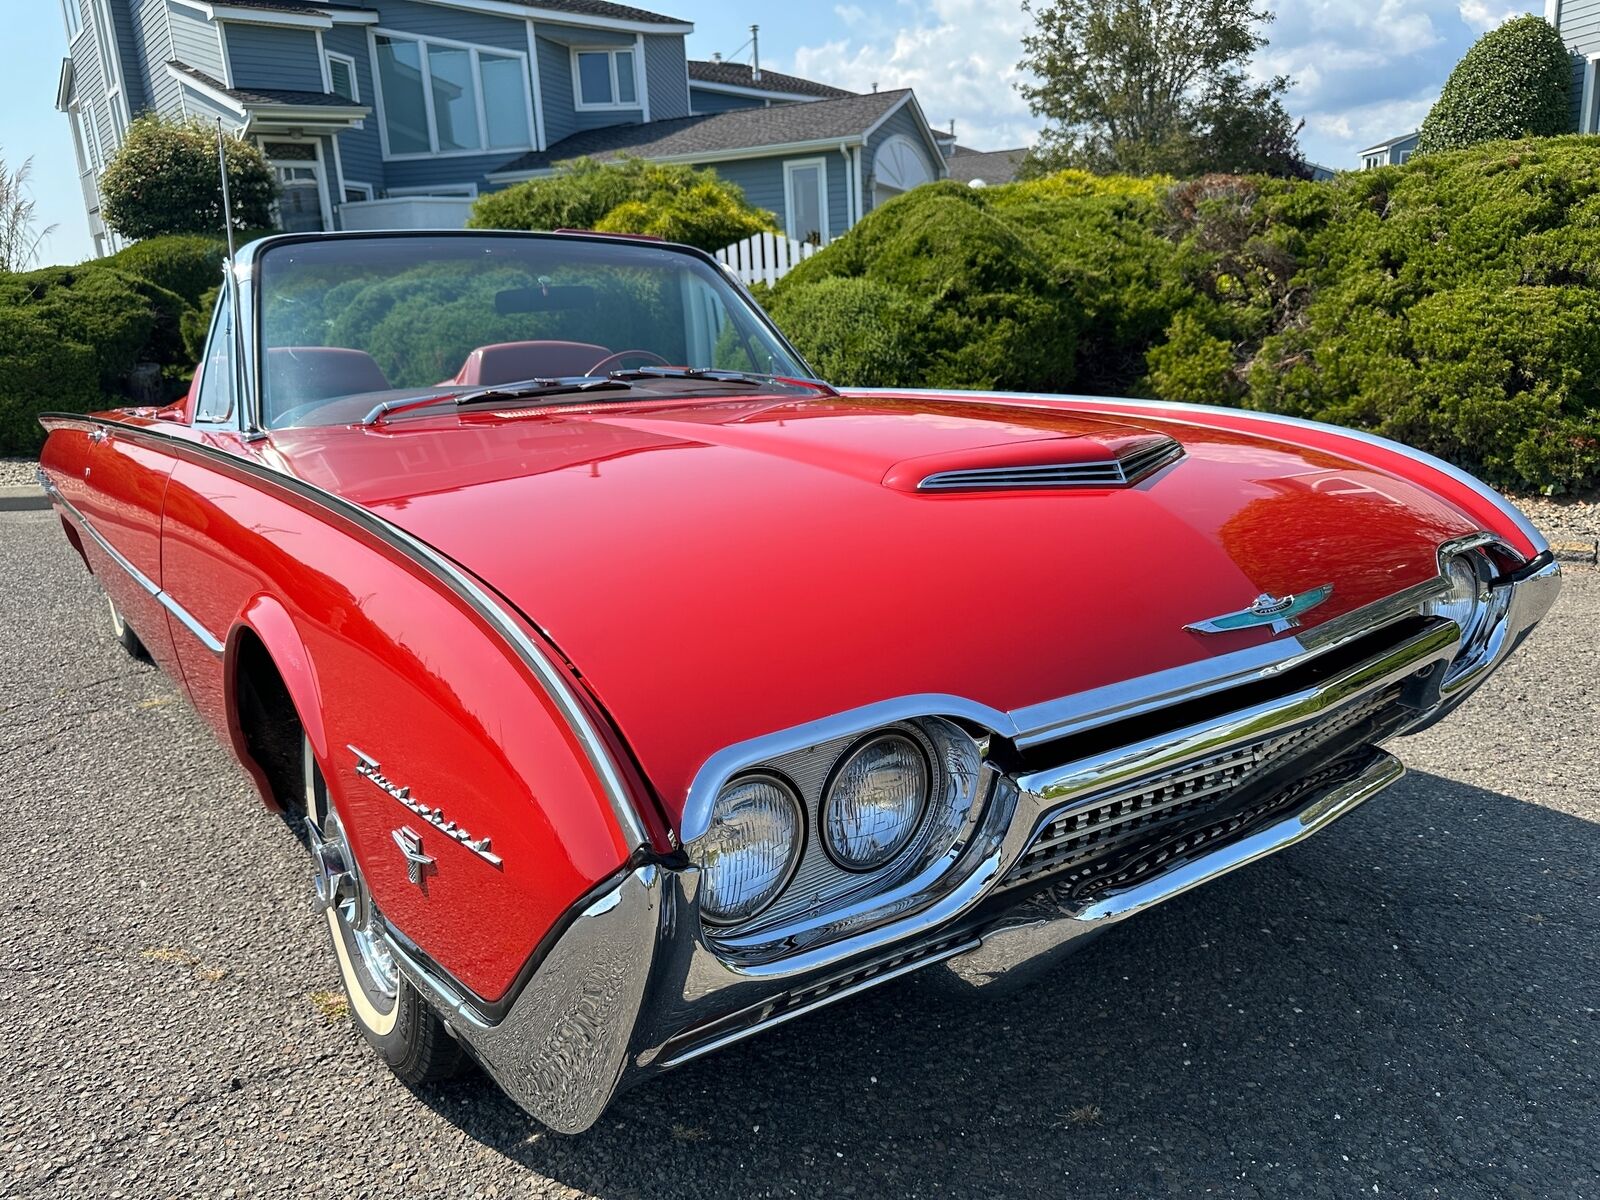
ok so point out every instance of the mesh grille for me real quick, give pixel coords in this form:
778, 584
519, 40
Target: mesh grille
1095, 843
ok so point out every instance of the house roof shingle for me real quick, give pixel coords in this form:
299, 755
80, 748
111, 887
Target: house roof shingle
263, 96
741, 129
986, 166
731, 74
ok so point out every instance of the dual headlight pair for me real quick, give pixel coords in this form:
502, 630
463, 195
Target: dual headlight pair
873, 805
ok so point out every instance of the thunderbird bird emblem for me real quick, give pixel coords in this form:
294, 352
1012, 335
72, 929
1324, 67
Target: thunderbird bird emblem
410, 843
1283, 613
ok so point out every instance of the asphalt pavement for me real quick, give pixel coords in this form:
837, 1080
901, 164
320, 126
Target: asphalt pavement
1407, 1005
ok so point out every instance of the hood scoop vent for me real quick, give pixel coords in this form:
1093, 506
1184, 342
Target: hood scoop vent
1126, 462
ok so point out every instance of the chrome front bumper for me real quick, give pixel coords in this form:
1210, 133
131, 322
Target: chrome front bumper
633, 986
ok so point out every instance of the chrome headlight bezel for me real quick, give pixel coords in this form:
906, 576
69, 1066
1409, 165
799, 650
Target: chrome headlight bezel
707, 850
1474, 601
832, 797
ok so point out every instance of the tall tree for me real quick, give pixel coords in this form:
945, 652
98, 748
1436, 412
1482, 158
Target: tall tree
1156, 87
19, 236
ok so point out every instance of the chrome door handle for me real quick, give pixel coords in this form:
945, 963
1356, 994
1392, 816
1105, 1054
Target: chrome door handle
98, 436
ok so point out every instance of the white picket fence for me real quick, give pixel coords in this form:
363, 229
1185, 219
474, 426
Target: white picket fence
765, 257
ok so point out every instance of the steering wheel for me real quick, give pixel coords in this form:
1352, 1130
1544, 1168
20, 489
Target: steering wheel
612, 361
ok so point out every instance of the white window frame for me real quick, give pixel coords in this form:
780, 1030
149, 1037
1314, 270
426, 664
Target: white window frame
333, 56
637, 105
789, 169
73, 16
374, 33
366, 189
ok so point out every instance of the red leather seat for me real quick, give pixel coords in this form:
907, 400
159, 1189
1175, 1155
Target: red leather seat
511, 362
304, 374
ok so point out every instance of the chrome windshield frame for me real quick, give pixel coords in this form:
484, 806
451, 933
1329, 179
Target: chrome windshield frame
248, 274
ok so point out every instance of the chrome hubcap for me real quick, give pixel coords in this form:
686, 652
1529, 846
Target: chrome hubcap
340, 890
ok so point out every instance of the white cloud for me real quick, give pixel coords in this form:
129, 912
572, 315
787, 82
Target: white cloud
959, 55
1364, 70
1484, 16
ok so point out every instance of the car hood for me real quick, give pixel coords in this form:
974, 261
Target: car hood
717, 571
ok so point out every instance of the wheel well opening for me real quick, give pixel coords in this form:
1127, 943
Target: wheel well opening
77, 543
268, 722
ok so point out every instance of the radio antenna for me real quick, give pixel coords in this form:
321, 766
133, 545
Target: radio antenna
227, 203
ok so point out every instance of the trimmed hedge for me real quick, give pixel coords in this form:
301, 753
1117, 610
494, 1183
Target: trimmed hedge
103, 321
39, 372
189, 264
1514, 82
1449, 303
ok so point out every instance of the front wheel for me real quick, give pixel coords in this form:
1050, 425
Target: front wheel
389, 1011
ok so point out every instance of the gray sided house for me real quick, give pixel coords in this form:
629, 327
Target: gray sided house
396, 114
1392, 153
1579, 24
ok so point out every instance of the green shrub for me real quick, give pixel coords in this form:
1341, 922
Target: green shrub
164, 179
855, 332
196, 325
188, 264
680, 203
39, 372
995, 315
124, 320
1448, 303
1515, 82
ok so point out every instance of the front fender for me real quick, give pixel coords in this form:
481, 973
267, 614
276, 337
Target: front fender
266, 618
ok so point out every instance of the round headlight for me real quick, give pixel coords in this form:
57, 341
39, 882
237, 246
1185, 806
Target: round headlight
1463, 602
874, 805
751, 849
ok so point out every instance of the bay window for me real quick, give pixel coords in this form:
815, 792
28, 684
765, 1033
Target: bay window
439, 97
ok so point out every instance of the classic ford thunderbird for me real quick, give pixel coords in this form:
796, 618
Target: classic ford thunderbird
634, 691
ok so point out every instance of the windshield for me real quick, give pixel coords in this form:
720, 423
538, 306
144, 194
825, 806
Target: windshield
351, 324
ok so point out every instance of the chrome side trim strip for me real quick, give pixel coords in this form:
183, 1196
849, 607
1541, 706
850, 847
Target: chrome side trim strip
1509, 510
183, 616
466, 587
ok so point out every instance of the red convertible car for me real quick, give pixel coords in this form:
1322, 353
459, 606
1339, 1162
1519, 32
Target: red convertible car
635, 692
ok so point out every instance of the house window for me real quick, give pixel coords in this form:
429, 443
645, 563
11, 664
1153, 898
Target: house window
605, 78
1405, 157
357, 193
342, 77
105, 34
805, 194
74, 18
439, 97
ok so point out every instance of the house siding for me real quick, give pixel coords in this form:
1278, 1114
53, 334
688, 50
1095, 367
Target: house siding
161, 90
453, 24
264, 56
666, 72
126, 49
194, 40
360, 150
1580, 29
903, 124
561, 116
762, 182
203, 107
705, 101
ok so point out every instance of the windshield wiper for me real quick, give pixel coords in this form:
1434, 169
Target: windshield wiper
708, 374
526, 389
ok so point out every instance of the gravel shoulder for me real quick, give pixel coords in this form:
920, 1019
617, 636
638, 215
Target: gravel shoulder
1405, 1005
18, 472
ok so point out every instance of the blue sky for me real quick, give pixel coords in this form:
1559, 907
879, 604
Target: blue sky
1365, 70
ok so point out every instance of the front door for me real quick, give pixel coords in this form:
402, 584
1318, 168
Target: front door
300, 197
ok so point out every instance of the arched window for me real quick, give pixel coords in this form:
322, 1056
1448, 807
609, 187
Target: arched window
898, 166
